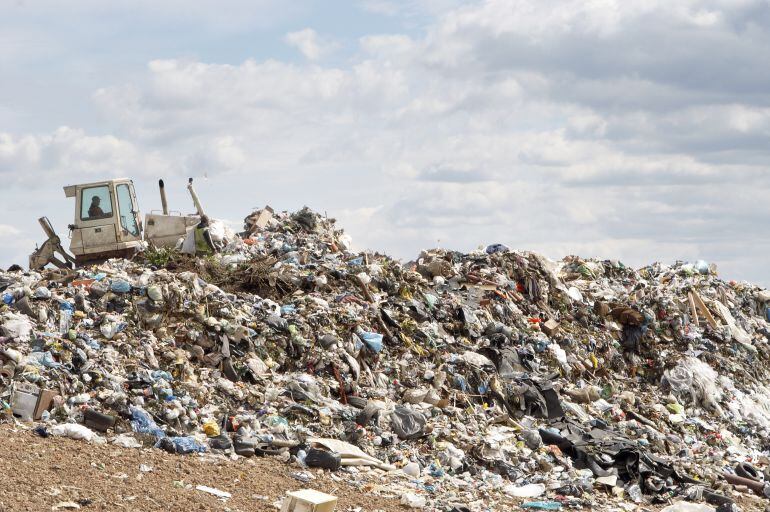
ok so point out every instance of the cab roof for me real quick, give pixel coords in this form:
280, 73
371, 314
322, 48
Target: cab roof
72, 190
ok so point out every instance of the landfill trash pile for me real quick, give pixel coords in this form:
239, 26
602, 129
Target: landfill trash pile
481, 381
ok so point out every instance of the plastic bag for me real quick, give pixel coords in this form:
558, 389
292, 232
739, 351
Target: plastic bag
316, 458
407, 423
109, 329
17, 326
155, 293
126, 441
697, 381
278, 323
684, 506
372, 340
181, 445
42, 359
75, 431
702, 266
220, 442
495, 248
220, 233
42, 292
525, 491
120, 286
413, 501
142, 422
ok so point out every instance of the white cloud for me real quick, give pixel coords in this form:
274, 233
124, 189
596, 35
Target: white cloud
310, 44
222, 154
633, 129
15, 245
6, 231
32, 160
408, 8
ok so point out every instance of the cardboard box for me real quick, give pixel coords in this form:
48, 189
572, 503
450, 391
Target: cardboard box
308, 500
263, 218
550, 327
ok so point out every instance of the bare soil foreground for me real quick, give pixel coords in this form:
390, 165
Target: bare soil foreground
62, 474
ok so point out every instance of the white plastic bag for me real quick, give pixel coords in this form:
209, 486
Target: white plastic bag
17, 326
75, 431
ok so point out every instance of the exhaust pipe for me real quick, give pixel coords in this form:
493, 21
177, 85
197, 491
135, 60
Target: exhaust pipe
195, 199
163, 201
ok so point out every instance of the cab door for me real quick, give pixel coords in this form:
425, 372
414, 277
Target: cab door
96, 224
127, 212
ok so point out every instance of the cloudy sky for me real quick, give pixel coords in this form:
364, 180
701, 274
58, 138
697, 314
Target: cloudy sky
620, 129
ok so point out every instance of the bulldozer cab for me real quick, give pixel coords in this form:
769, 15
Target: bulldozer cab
107, 220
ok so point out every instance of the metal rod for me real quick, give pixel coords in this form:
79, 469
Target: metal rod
195, 199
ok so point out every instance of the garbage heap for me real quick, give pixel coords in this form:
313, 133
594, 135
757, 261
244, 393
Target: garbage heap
477, 381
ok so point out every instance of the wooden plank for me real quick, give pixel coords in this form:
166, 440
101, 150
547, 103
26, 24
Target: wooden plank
704, 310
693, 309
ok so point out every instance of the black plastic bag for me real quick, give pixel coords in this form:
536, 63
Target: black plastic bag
316, 458
407, 423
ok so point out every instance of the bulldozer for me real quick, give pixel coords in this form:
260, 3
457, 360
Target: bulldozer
108, 224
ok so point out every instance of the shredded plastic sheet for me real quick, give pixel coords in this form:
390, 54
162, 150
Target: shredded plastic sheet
696, 381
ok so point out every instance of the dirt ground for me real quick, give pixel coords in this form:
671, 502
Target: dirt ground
41, 474
51, 474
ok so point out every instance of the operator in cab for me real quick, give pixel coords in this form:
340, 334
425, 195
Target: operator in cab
95, 211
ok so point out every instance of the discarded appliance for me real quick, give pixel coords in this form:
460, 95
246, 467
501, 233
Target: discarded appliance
28, 402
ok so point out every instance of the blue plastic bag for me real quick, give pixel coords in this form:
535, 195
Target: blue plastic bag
495, 248
120, 286
182, 445
460, 383
88, 340
372, 340
161, 374
42, 359
142, 422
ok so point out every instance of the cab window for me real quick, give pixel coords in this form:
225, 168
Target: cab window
126, 209
95, 203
